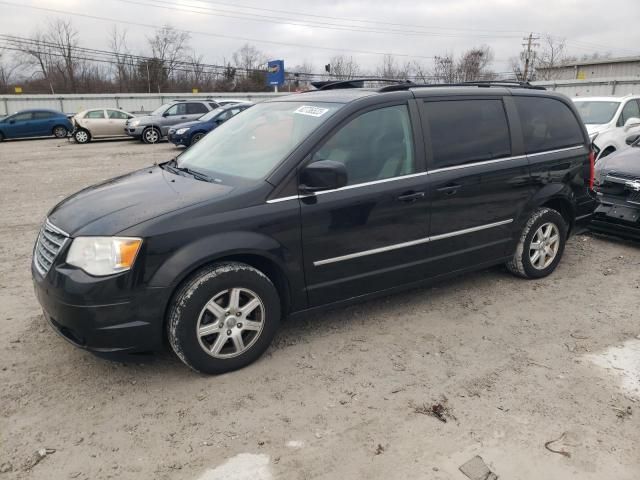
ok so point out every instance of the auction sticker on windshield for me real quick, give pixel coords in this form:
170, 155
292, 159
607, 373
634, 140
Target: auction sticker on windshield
311, 110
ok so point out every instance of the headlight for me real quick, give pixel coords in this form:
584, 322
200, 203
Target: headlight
180, 131
134, 123
101, 256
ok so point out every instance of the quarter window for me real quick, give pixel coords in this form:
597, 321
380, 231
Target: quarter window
547, 124
195, 108
630, 110
21, 117
95, 114
373, 146
467, 131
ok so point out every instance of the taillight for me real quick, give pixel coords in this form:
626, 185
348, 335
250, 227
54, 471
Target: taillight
592, 169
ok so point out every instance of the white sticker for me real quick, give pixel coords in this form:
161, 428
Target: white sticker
311, 111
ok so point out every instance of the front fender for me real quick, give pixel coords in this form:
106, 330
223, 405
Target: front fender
205, 250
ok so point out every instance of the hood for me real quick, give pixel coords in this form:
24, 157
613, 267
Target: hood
187, 124
625, 162
596, 128
122, 202
145, 119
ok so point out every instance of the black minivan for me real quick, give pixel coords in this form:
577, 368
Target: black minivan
314, 200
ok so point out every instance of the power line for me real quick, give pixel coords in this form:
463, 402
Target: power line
209, 34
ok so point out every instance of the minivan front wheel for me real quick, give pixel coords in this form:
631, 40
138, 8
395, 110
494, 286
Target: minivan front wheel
151, 135
223, 318
541, 245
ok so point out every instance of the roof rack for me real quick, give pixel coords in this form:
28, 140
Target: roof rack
356, 83
483, 83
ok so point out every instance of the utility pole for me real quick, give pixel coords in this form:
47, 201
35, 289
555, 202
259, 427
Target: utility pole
529, 55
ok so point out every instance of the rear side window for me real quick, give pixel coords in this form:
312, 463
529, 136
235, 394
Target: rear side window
95, 114
116, 115
547, 124
42, 115
193, 108
467, 131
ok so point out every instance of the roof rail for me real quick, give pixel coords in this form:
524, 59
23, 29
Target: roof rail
355, 83
484, 84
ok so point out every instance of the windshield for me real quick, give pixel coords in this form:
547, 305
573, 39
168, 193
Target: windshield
250, 145
208, 116
597, 112
159, 111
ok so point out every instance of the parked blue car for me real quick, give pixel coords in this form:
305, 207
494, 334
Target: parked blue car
35, 123
189, 133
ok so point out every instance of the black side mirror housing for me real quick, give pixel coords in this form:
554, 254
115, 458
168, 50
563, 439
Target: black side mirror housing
12, 122
323, 175
632, 139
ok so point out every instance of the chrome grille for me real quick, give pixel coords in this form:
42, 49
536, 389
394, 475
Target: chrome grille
50, 241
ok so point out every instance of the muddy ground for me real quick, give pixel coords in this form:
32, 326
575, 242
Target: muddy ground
341, 395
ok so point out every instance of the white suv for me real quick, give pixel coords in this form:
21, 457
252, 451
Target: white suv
609, 121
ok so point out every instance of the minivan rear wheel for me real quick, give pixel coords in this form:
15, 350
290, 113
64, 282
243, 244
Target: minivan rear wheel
541, 245
223, 318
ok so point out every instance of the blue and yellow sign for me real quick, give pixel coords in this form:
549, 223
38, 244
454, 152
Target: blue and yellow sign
275, 72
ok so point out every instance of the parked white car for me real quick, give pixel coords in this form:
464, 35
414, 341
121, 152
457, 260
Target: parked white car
609, 121
99, 122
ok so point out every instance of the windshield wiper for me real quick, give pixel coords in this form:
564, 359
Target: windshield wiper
172, 166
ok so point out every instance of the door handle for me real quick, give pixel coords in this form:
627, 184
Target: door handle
411, 196
449, 189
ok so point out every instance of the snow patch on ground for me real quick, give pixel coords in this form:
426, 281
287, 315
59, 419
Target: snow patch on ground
624, 363
245, 466
295, 444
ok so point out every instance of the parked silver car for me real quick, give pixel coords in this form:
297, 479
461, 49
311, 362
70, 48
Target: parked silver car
99, 122
153, 127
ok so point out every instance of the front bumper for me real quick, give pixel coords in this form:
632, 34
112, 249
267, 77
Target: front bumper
135, 132
101, 314
184, 139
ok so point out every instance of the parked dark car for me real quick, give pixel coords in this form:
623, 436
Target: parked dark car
35, 123
618, 189
314, 200
188, 133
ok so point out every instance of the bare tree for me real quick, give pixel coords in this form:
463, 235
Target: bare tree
249, 58
167, 45
444, 70
8, 69
343, 67
63, 38
391, 68
474, 64
542, 64
124, 61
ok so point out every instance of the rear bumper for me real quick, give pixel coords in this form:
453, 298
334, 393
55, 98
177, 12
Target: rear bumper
92, 322
617, 219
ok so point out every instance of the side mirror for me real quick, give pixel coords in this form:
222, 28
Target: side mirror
323, 175
12, 122
632, 139
165, 114
631, 122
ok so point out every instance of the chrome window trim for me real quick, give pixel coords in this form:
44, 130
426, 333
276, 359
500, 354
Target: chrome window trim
411, 243
428, 172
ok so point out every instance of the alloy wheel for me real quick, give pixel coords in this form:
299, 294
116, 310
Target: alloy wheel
60, 132
81, 136
230, 322
151, 136
544, 246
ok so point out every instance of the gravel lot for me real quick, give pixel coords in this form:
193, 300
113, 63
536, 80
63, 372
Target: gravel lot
340, 395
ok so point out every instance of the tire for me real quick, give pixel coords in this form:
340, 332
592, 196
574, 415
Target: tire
204, 321
151, 135
82, 136
524, 262
59, 131
196, 138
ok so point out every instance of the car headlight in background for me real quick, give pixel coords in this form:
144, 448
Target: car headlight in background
134, 123
180, 131
102, 256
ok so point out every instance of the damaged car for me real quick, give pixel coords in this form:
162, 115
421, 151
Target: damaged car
618, 190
